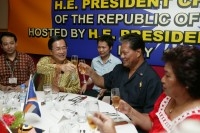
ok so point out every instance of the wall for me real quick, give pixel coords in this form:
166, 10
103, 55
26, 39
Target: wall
3, 15
4, 27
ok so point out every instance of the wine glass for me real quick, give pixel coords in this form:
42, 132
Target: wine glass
70, 113
115, 97
82, 70
74, 59
91, 108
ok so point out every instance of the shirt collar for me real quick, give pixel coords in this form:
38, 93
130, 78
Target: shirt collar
108, 60
16, 57
54, 62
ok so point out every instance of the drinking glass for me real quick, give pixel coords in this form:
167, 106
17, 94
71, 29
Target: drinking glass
55, 97
1, 102
81, 112
4, 100
115, 97
47, 88
82, 70
91, 108
74, 59
12, 98
70, 113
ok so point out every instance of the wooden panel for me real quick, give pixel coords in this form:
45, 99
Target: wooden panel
3, 14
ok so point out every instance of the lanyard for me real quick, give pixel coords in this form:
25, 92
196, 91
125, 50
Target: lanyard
12, 69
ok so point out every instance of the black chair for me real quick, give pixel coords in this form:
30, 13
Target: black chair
38, 80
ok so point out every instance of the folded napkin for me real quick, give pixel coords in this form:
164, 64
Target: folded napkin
57, 116
31, 118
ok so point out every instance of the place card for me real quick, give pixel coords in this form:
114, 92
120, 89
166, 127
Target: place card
57, 116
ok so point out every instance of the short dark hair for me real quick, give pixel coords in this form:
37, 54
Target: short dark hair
53, 39
106, 38
185, 61
135, 40
8, 34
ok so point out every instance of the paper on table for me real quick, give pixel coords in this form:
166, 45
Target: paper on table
31, 118
122, 128
57, 116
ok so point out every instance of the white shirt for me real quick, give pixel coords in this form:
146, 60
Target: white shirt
103, 68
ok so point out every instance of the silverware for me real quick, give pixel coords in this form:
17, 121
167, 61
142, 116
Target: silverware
60, 98
111, 114
63, 98
74, 99
78, 100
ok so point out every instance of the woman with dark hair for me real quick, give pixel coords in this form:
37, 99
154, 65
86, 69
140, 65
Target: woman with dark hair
180, 100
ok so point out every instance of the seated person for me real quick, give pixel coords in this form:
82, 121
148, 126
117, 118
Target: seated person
139, 84
16, 67
177, 106
56, 69
181, 98
102, 64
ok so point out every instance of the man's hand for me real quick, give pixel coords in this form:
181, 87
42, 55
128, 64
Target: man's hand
7, 88
67, 67
83, 88
104, 123
101, 92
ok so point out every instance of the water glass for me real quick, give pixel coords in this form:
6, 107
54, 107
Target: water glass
12, 100
91, 108
55, 97
4, 102
81, 112
70, 114
47, 88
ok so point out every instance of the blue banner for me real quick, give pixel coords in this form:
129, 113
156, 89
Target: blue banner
163, 24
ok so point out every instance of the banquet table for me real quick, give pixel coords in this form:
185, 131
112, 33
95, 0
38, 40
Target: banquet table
54, 115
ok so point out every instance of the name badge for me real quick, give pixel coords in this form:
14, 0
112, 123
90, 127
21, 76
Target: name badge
12, 80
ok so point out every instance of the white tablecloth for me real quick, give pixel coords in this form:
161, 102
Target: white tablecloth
51, 115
